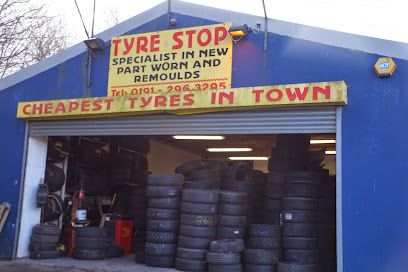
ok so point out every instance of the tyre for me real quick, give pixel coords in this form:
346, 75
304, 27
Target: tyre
232, 221
190, 265
164, 203
238, 186
276, 177
46, 229
197, 231
227, 246
203, 174
91, 242
261, 256
115, 252
224, 267
198, 208
198, 220
159, 261
191, 254
238, 170
270, 243
300, 230
202, 185
89, 254
300, 216
285, 165
162, 214
139, 247
163, 191
302, 189
227, 197
223, 258
271, 218
255, 176
44, 254
161, 237
165, 180
302, 256
304, 176
273, 205
44, 239
297, 267
300, 204
275, 190
158, 249
189, 166
194, 243
264, 230
163, 225
230, 233
91, 232
232, 209
54, 177
42, 247
299, 243
260, 268
200, 196
139, 257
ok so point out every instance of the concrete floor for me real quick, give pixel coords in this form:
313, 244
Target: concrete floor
65, 264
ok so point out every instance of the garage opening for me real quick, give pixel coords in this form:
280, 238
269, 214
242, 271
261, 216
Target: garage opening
166, 198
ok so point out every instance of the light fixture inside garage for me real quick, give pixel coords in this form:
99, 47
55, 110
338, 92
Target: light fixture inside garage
330, 152
232, 149
198, 137
327, 141
248, 158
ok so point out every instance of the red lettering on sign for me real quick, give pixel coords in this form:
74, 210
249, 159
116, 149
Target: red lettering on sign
116, 43
220, 34
73, 105
257, 95
155, 40
228, 96
190, 37
325, 91
25, 111
96, 105
146, 102
176, 38
85, 104
188, 98
301, 95
108, 103
60, 108
160, 100
132, 102
37, 109
128, 45
174, 100
200, 35
274, 92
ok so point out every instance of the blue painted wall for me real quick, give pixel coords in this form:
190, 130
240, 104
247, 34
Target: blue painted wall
374, 147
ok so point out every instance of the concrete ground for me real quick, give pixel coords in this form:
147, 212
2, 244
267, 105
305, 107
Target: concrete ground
66, 264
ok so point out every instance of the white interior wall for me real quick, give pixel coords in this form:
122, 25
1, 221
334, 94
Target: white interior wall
35, 170
164, 158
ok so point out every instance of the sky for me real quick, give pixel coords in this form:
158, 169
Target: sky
386, 19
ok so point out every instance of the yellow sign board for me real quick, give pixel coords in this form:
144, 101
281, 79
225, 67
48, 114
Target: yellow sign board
305, 94
195, 58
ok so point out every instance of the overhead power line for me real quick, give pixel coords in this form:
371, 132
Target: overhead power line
82, 20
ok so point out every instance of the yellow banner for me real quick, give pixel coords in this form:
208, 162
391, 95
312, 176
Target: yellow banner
195, 58
306, 94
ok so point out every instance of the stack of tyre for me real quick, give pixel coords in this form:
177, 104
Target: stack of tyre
200, 175
163, 214
263, 248
136, 208
274, 192
225, 255
91, 243
232, 211
300, 222
327, 224
43, 243
197, 229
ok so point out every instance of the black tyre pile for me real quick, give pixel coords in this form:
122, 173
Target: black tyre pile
197, 229
263, 248
300, 221
232, 212
225, 255
91, 243
164, 196
327, 224
201, 175
43, 243
274, 192
240, 178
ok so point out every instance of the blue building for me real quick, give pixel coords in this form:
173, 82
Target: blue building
371, 145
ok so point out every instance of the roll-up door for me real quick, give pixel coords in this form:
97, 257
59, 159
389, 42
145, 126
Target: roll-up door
265, 121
